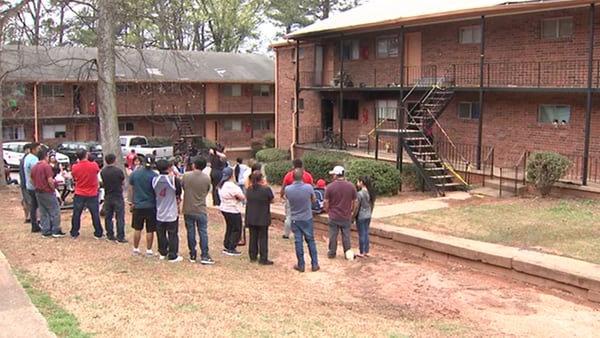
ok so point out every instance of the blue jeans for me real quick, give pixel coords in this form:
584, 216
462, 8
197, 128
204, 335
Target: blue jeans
193, 223
362, 225
91, 202
306, 230
49, 212
114, 206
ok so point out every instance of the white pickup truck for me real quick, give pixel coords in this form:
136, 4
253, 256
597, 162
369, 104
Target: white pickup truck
140, 144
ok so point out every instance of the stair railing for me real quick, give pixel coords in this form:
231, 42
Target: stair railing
489, 157
522, 161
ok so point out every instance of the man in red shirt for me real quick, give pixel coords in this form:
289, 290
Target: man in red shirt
130, 158
287, 180
85, 175
42, 177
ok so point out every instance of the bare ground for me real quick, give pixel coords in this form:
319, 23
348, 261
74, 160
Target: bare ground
393, 294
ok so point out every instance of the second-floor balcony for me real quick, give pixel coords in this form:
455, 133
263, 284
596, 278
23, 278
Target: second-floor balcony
556, 74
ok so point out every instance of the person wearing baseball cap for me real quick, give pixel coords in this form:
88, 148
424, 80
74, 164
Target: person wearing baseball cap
340, 202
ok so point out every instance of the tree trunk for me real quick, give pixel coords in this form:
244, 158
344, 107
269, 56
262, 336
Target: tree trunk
106, 95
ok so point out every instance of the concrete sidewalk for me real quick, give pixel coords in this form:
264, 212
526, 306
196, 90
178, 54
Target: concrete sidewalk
18, 317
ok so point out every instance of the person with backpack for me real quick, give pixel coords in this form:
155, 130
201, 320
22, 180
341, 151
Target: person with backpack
317, 205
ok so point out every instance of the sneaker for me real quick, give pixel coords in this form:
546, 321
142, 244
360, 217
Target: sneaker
99, 237
162, 258
36, 229
28, 220
111, 238
315, 268
175, 260
59, 235
122, 241
232, 253
285, 237
330, 256
207, 261
46, 235
298, 268
149, 253
74, 237
135, 251
192, 260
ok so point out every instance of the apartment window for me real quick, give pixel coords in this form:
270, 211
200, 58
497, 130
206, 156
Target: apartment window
471, 34
350, 110
232, 125
124, 88
468, 110
12, 133
54, 131
261, 90
125, 126
261, 124
387, 47
300, 104
557, 28
554, 113
350, 50
300, 54
386, 109
52, 90
232, 90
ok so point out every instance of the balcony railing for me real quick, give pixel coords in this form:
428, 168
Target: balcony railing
552, 74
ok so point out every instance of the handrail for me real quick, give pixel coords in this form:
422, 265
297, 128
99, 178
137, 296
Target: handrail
490, 154
522, 159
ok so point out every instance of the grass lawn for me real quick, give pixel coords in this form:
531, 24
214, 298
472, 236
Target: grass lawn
566, 227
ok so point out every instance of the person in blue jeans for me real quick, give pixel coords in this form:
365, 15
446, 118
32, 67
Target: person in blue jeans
366, 202
196, 186
300, 197
113, 180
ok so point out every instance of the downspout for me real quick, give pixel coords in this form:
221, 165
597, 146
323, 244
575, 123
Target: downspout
588, 112
400, 114
204, 109
35, 113
296, 119
275, 103
481, 67
341, 101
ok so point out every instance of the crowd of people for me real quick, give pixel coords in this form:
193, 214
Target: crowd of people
158, 192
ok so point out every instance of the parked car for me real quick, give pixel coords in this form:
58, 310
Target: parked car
13, 153
92, 147
140, 144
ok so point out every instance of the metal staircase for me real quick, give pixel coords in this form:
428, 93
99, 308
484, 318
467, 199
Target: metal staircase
437, 174
184, 125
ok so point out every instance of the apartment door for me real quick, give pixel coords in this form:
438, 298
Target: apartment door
318, 65
81, 132
327, 114
412, 57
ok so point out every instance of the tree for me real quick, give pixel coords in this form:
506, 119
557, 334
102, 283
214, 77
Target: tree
293, 14
107, 101
7, 12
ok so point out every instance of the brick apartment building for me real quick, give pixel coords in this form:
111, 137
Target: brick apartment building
519, 76
50, 94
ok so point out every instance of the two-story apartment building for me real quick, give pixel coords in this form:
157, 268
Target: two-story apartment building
50, 94
515, 76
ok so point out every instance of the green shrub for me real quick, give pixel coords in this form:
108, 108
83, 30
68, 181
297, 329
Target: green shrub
275, 171
160, 141
269, 140
386, 178
410, 177
256, 145
272, 155
544, 168
320, 162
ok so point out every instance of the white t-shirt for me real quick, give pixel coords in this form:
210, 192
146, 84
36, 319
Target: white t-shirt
227, 194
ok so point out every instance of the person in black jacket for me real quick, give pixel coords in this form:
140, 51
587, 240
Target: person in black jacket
218, 161
259, 197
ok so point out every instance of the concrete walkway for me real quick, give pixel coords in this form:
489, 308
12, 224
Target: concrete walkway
18, 317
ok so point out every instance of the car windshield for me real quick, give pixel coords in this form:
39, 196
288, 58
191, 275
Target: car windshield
138, 141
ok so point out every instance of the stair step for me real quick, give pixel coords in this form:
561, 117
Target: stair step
432, 153
439, 177
451, 184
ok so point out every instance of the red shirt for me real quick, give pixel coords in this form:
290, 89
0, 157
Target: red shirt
130, 158
39, 176
85, 175
289, 178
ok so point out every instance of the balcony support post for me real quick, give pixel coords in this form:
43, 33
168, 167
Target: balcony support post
400, 112
481, 70
341, 101
588, 110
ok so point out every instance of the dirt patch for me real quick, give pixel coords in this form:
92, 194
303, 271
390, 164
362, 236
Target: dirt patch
393, 293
